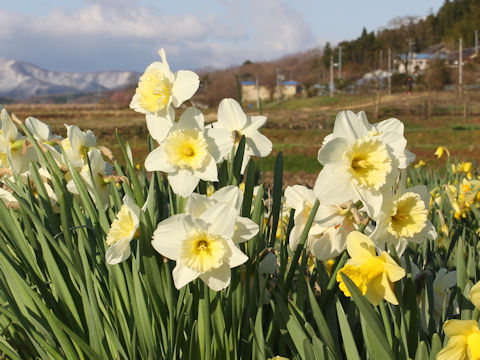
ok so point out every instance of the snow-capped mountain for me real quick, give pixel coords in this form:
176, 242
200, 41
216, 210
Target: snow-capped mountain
20, 80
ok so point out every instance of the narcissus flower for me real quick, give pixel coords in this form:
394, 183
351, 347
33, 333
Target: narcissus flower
328, 233
403, 218
190, 152
159, 88
475, 295
440, 150
463, 342
362, 159
444, 280
122, 231
95, 177
77, 144
372, 274
232, 118
13, 146
202, 246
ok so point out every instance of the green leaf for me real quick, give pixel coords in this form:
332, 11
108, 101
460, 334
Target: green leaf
348, 341
372, 322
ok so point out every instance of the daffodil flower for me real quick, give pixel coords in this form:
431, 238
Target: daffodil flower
245, 228
13, 146
95, 177
202, 246
403, 218
444, 280
372, 274
232, 118
122, 231
360, 160
190, 152
77, 144
474, 295
463, 342
159, 88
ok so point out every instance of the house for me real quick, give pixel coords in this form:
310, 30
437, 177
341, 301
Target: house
287, 90
417, 62
249, 92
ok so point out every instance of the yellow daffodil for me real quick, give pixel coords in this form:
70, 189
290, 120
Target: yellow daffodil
403, 219
475, 295
201, 246
123, 230
420, 164
372, 274
463, 342
440, 150
463, 196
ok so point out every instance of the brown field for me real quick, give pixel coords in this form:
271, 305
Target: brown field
298, 126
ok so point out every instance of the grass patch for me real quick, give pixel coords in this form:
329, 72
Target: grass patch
292, 163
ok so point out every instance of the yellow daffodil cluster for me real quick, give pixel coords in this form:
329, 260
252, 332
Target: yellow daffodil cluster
463, 196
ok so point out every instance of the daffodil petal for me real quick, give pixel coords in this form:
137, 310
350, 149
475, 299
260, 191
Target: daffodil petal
220, 142
157, 160
221, 218
350, 126
231, 195
245, 229
169, 235
184, 86
217, 279
237, 257
182, 275
230, 115
183, 182
118, 252
159, 126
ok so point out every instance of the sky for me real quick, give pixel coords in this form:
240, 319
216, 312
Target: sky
98, 35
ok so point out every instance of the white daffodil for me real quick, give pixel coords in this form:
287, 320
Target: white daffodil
338, 223
232, 118
301, 199
94, 177
201, 246
245, 228
444, 280
122, 231
328, 235
360, 162
159, 88
41, 131
190, 152
77, 144
13, 146
403, 218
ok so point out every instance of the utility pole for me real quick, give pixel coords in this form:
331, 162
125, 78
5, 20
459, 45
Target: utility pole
258, 91
409, 56
389, 66
339, 62
278, 84
331, 75
476, 42
460, 65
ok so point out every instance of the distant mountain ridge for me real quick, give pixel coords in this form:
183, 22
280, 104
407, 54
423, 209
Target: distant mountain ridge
22, 80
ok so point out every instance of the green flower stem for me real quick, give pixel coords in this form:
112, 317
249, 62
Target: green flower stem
298, 251
204, 309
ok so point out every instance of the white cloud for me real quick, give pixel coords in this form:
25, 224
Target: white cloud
122, 32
